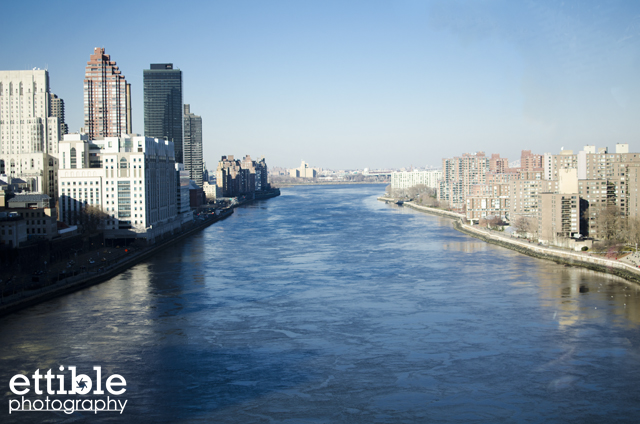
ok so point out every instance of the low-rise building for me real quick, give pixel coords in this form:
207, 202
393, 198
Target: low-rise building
211, 191
304, 171
13, 230
39, 213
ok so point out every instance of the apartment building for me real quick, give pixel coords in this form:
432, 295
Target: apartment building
262, 174
192, 152
404, 180
552, 163
29, 134
524, 195
486, 207
559, 217
559, 212
459, 174
107, 100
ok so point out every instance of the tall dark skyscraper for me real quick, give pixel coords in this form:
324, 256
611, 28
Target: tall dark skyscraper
192, 148
163, 115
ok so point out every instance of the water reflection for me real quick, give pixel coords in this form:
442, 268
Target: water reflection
327, 305
465, 246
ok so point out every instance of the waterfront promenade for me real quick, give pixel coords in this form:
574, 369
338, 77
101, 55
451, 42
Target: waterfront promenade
625, 269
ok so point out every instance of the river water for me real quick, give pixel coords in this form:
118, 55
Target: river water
326, 305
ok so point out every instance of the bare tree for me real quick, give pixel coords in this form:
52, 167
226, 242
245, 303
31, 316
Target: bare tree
611, 224
494, 221
416, 190
426, 196
90, 218
398, 193
444, 204
521, 225
527, 226
633, 231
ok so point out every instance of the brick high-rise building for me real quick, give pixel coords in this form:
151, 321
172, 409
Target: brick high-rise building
497, 164
459, 174
530, 161
106, 98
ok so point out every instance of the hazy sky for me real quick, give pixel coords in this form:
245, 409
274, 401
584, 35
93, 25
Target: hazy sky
354, 84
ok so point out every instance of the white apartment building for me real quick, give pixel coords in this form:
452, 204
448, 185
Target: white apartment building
29, 135
131, 183
403, 180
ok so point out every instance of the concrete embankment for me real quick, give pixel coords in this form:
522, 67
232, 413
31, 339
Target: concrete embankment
584, 260
81, 281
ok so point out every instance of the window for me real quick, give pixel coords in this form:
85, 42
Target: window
72, 156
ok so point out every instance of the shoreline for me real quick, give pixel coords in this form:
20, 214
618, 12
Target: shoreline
583, 260
285, 185
84, 281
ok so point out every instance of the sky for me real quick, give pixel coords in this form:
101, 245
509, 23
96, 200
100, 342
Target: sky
354, 84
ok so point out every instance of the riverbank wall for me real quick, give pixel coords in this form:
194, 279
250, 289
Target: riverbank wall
580, 259
84, 280
432, 211
284, 185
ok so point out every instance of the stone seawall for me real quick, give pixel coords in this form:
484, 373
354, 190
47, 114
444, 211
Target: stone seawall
594, 263
584, 260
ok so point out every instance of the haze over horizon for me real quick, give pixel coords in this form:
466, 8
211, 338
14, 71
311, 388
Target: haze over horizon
361, 83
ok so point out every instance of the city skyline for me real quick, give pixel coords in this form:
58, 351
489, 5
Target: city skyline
369, 84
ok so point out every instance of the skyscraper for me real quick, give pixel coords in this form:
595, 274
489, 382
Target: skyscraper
57, 110
105, 97
29, 135
163, 104
192, 153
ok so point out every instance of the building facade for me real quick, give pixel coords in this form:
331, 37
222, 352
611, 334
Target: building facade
57, 110
163, 113
29, 134
13, 230
240, 177
39, 214
304, 171
262, 175
404, 180
106, 102
559, 217
459, 174
128, 194
192, 152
